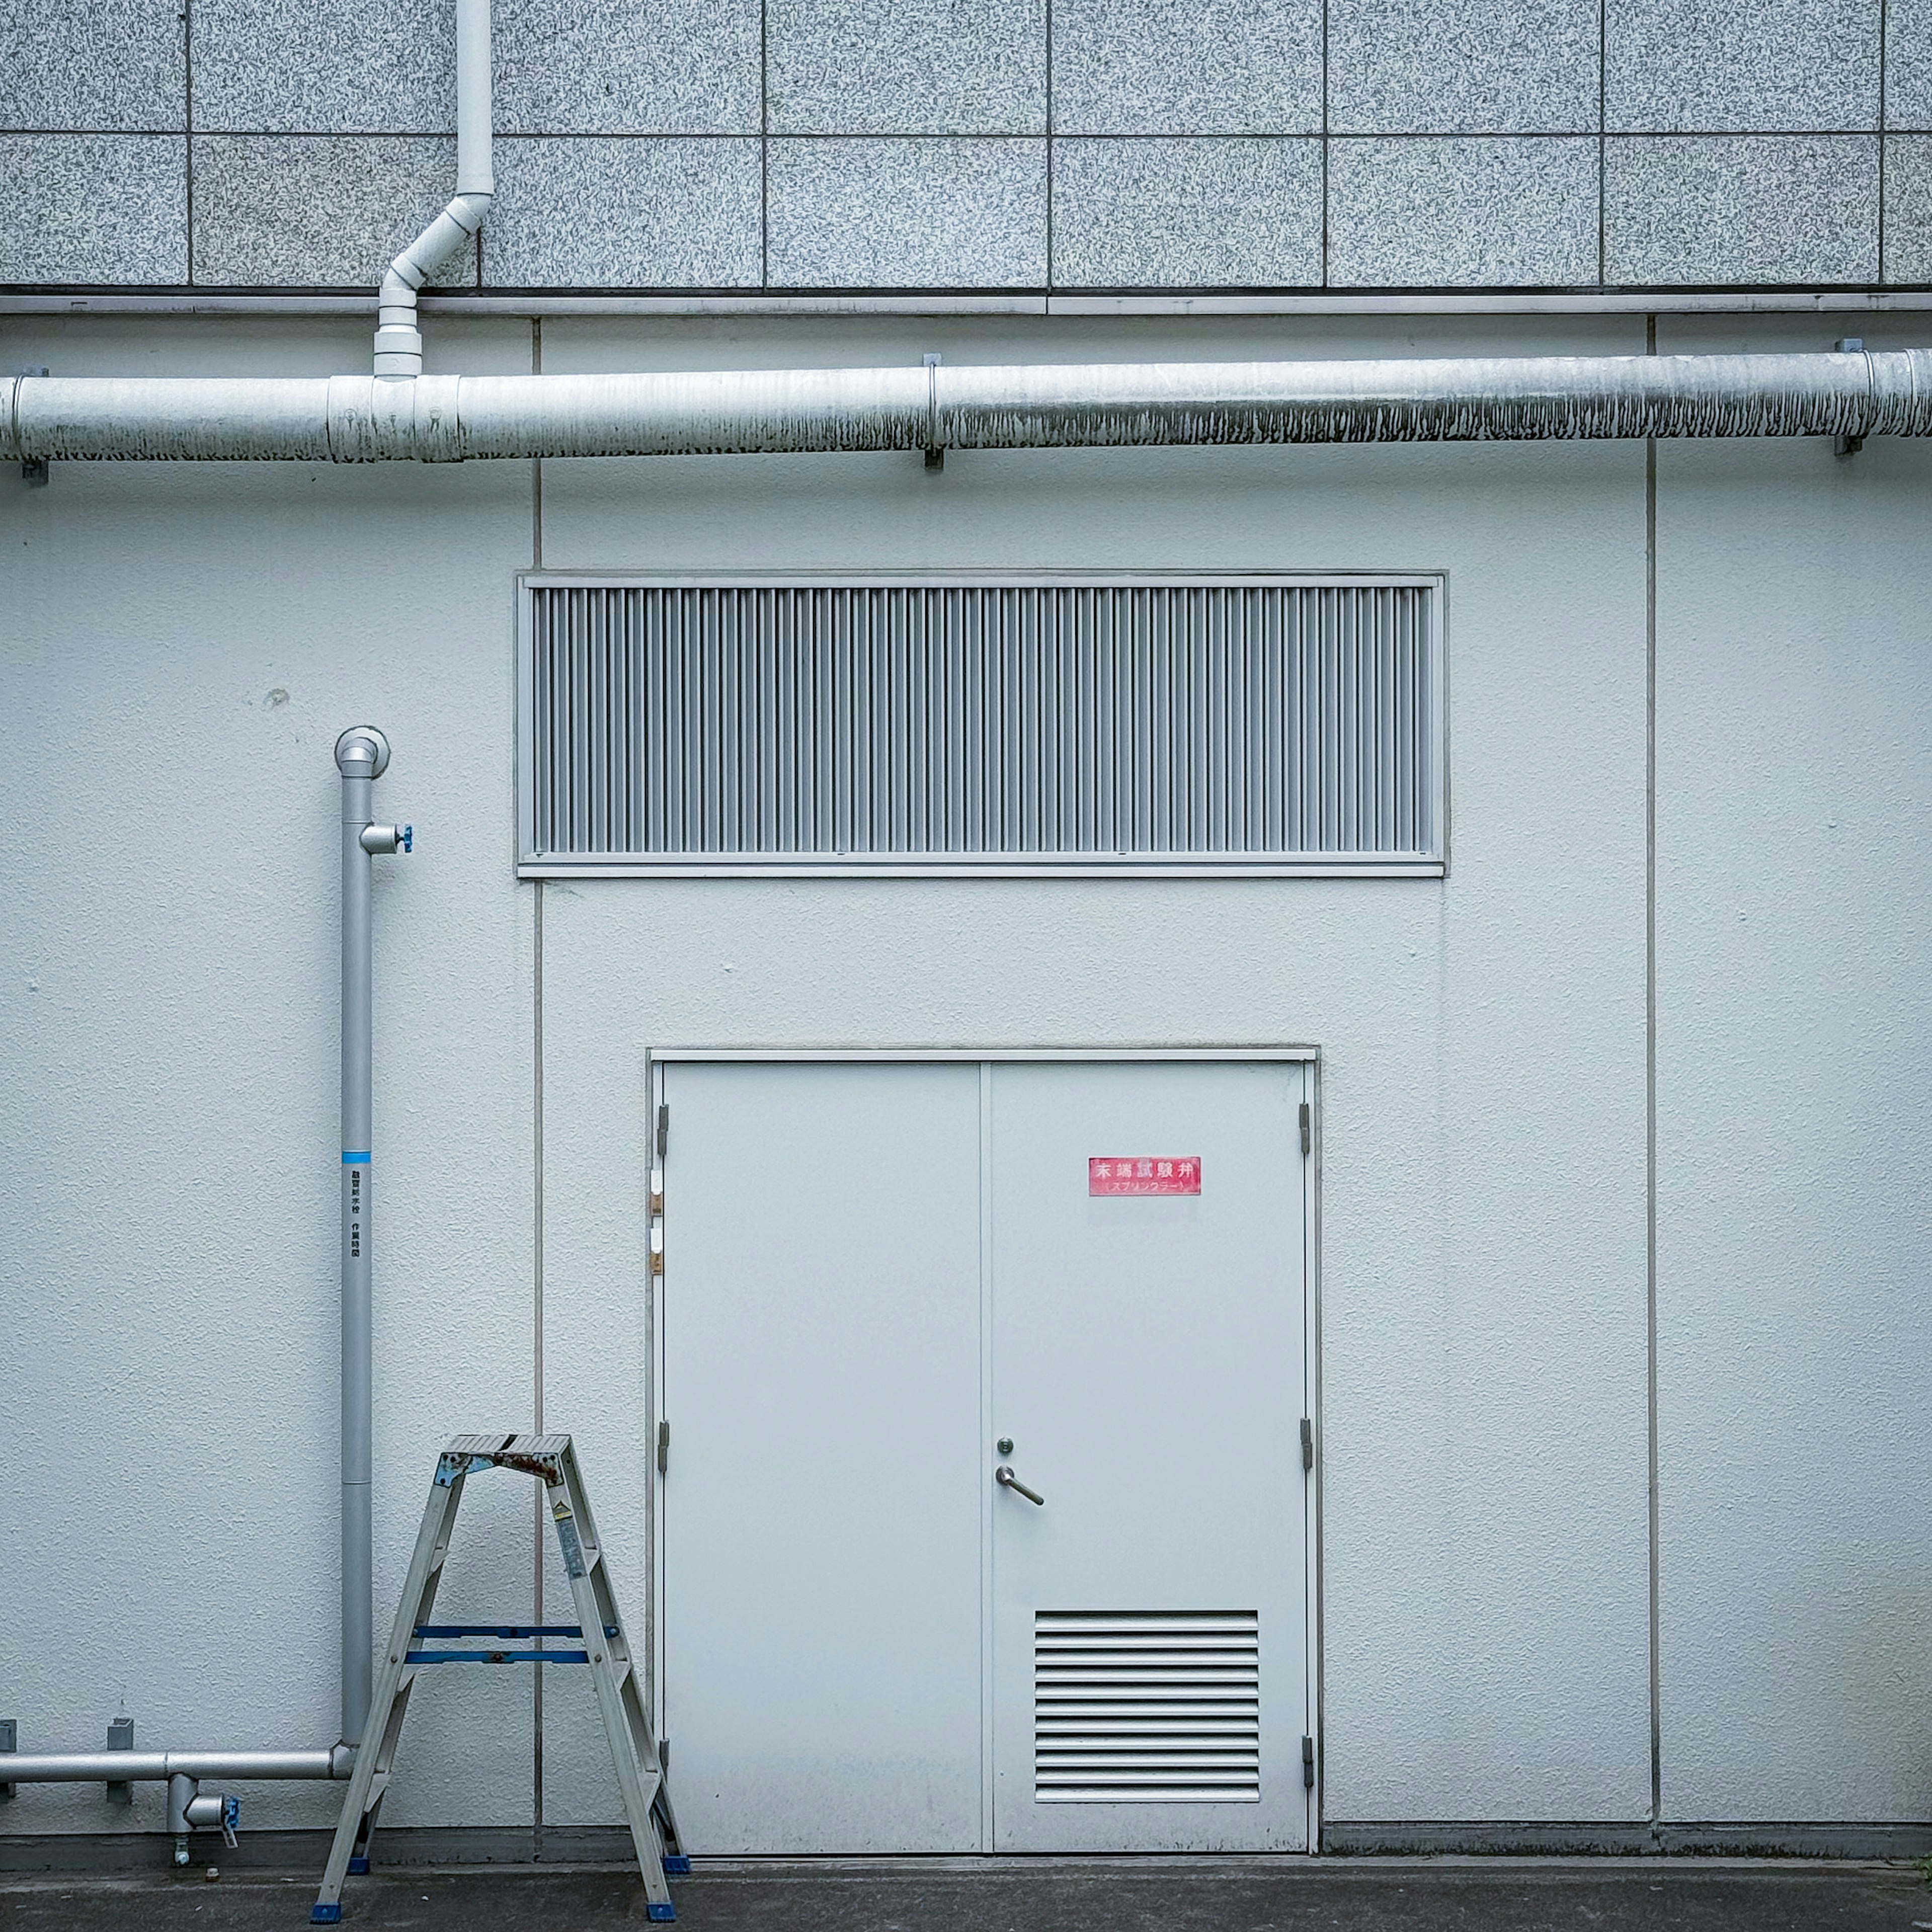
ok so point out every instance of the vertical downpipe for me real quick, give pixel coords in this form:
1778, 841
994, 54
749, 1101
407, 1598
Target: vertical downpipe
362, 755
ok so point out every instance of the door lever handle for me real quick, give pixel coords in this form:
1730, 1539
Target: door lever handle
1003, 1475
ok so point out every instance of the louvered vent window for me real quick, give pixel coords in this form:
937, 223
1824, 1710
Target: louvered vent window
1225, 725
1149, 1707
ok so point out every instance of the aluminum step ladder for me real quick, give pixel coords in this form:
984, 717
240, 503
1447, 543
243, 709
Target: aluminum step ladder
606, 1651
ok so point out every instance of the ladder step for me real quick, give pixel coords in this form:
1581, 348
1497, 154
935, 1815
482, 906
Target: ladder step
499, 1656
508, 1629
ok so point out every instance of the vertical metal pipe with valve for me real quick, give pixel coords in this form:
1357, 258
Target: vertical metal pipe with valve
361, 756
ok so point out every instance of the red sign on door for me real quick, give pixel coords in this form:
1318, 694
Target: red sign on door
1143, 1173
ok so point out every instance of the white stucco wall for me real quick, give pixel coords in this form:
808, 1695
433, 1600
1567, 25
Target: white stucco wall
1794, 806
181, 647
1487, 1595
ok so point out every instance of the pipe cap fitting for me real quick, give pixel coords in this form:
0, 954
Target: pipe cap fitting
362, 752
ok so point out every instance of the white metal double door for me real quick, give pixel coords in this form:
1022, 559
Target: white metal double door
878, 1275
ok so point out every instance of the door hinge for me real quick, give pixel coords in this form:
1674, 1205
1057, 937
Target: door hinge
1305, 1126
663, 1127
1307, 1443
1308, 1764
664, 1446
657, 1261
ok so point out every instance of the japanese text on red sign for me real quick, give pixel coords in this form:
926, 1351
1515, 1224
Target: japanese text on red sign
1143, 1173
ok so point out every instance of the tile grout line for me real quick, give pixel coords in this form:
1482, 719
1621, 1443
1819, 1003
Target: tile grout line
1603, 139
1049, 147
1884, 35
188, 132
1325, 143
1418, 135
1653, 1512
764, 145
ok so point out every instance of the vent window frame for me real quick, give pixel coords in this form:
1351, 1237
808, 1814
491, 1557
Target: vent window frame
1429, 860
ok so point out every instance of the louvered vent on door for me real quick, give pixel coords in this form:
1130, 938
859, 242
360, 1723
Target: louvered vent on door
1149, 1707
1236, 725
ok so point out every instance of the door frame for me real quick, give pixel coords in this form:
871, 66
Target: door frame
658, 1059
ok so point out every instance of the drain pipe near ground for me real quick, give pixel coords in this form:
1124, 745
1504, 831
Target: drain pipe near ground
361, 756
190, 1808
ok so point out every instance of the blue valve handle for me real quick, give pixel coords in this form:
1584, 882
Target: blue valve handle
408, 833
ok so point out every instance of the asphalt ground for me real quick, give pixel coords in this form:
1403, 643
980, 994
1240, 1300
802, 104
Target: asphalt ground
1340, 1895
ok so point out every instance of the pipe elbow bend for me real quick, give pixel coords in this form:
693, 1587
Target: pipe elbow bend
469, 207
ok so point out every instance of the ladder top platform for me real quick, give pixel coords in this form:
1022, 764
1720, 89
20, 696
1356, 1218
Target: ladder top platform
507, 1445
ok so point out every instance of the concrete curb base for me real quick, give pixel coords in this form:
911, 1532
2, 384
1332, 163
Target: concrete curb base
1768, 1841
610, 1845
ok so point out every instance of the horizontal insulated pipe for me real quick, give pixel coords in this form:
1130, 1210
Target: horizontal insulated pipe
458, 418
123, 1767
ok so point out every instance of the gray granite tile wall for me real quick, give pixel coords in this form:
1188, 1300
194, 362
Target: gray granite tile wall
323, 67
616, 66
77, 64
1712, 66
1463, 67
1187, 67
1908, 208
909, 144
910, 214
1908, 66
1462, 212
905, 67
1162, 213
1700, 210
642, 213
317, 211
94, 209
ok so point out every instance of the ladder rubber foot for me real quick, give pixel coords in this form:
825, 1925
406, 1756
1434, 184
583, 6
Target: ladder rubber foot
358, 1868
654, 1910
675, 1864
325, 1915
